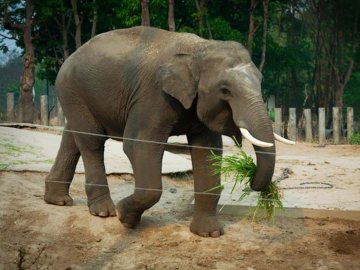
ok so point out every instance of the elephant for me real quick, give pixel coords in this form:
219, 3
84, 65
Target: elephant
144, 85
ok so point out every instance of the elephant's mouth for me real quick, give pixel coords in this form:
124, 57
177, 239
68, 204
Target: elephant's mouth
265, 158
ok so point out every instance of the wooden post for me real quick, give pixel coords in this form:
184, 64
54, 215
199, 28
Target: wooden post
292, 124
10, 105
336, 125
44, 112
308, 125
321, 126
278, 121
350, 122
60, 114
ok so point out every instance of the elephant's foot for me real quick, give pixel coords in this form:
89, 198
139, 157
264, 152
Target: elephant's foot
102, 206
206, 226
57, 199
57, 194
129, 217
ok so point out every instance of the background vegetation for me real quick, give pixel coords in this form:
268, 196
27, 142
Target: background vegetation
307, 50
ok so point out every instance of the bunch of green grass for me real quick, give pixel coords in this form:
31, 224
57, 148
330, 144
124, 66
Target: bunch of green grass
355, 138
241, 168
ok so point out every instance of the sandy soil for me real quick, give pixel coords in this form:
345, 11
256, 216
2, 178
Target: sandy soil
35, 235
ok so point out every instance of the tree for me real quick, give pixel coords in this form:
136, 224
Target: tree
264, 37
95, 18
171, 19
145, 17
335, 39
78, 22
253, 4
13, 22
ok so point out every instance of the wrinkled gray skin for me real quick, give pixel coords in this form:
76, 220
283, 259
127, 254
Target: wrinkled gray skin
149, 84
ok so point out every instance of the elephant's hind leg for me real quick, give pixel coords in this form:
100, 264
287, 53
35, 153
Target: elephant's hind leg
57, 182
97, 189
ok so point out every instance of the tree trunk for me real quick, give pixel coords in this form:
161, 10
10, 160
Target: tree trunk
145, 16
200, 16
28, 75
264, 37
251, 26
95, 19
171, 19
77, 23
64, 31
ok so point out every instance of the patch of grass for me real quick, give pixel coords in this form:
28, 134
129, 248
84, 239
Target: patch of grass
242, 168
9, 149
355, 138
47, 161
4, 166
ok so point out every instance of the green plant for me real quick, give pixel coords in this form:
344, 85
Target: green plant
241, 168
355, 138
272, 115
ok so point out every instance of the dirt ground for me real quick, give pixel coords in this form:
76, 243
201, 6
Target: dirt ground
35, 235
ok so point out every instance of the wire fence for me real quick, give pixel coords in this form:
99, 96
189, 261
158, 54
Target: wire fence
302, 185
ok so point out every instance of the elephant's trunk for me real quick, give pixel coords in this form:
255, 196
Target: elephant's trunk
259, 126
265, 160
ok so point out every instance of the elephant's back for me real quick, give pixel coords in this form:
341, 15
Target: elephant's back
120, 62
136, 41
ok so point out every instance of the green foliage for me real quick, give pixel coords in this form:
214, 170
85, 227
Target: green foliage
222, 30
355, 139
352, 94
272, 115
242, 169
293, 51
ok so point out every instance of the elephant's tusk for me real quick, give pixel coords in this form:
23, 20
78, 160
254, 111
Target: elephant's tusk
283, 140
253, 140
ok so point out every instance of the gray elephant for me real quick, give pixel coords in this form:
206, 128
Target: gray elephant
148, 84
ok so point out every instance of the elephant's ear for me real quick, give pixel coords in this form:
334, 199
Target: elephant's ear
176, 79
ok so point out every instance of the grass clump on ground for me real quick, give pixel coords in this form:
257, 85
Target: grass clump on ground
241, 168
355, 139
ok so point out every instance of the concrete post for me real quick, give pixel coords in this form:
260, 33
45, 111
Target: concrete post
278, 121
321, 126
292, 124
44, 111
308, 125
10, 107
350, 122
60, 114
336, 125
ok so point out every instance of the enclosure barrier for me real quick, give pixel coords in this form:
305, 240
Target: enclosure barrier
44, 111
10, 107
292, 128
303, 128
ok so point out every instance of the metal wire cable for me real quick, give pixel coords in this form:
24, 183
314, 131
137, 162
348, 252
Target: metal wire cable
327, 185
128, 139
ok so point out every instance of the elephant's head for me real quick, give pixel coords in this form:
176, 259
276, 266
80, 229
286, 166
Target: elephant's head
226, 87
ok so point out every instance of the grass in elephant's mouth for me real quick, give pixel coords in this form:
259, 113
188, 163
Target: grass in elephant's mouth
241, 168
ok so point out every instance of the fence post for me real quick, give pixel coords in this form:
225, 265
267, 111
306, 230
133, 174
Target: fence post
308, 125
350, 122
278, 121
292, 124
44, 111
321, 126
10, 105
336, 125
60, 114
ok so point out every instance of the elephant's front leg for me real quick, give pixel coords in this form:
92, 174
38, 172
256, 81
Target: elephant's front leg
204, 221
146, 160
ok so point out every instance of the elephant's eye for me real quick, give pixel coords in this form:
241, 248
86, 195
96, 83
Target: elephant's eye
225, 91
